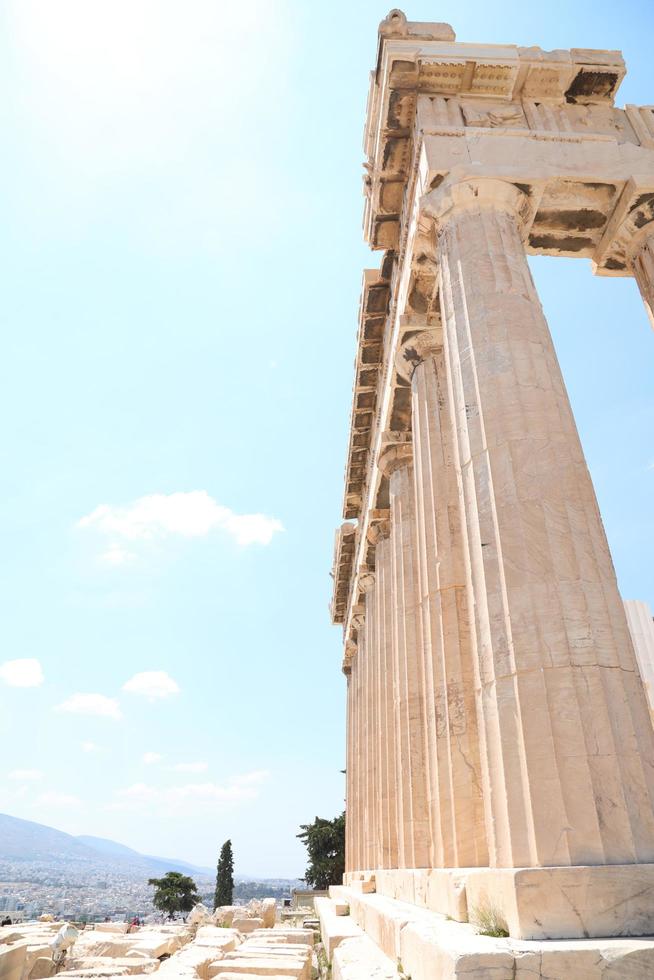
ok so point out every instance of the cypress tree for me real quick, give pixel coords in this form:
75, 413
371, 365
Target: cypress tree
225, 876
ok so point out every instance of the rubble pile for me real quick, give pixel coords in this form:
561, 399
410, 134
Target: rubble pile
234, 942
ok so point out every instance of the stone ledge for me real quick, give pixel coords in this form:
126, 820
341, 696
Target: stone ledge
334, 928
438, 889
360, 959
568, 903
429, 945
579, 902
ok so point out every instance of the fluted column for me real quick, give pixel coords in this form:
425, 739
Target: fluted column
457, 830
408, 674
566, 745
350, 763
355, 810
370, 760
643, 266
387, 785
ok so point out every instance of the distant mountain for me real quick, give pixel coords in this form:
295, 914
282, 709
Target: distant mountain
120, 850
23, 840
108, 846
172, 864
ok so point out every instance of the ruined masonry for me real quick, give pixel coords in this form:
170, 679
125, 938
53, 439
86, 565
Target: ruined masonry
500, 752
239, 946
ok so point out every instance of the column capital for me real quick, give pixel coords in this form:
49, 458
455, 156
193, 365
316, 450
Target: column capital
396, 451
417, 345
366, 581
358, 616
472, 194
349, 654
628, 231
379, 526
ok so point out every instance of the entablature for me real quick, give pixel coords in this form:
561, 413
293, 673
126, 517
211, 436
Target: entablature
344, 549
441, 114
373, 311
451, 89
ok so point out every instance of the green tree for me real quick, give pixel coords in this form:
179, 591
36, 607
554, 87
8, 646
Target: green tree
175, 892
224, 894
325, 844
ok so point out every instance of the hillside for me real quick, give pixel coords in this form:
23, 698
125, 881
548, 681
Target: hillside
24, 840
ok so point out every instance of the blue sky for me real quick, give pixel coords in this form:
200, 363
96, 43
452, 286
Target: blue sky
182, 256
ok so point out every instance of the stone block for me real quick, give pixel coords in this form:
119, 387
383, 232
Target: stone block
36, 951
447, 950
275, 948
269, 912
429, 946
334, 928
213, 936
382, 919
567, 903
224, 914
286, 935
611, 959
42, 968
397, 883
261, 966
92, 966
446, 893
12, 961
366, 887
247, 925
101, 972
230, 975
359, 959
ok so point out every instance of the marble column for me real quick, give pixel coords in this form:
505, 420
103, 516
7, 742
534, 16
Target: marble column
566, 744
369, 760
408, 673
457, 829
353, 817
643, 266
355, 812
387, 751
362, 623
350, 764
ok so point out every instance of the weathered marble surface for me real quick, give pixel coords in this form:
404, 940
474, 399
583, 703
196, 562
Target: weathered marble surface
496, 714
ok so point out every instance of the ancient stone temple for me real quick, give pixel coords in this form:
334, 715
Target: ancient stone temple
500, 752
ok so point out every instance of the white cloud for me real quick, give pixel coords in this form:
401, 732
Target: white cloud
91, 704
191, 797
25, 775
90, 747
55, 799
22, 673
152, 684
115, 555
150, 758
190, 767
254, 778
187, 515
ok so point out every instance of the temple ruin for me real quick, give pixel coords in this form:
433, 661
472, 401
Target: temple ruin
500, 752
